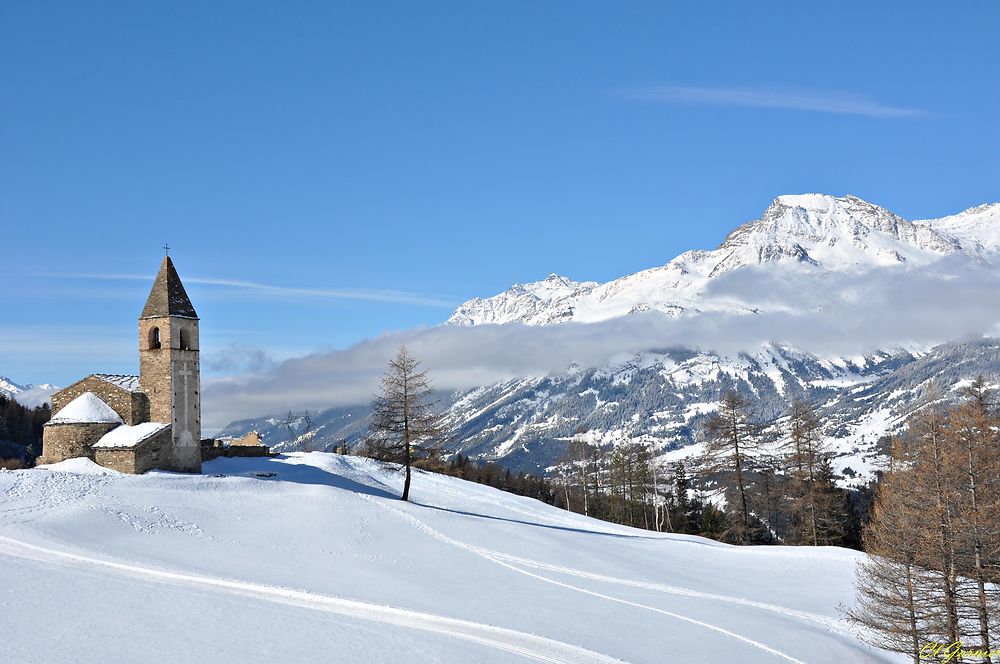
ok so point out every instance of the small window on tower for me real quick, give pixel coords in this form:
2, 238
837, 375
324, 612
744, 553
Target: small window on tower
154, 337
185, 339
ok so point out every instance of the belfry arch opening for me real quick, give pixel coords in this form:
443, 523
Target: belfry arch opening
185, 341
154, 337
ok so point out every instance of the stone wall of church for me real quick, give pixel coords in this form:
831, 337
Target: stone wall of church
133, 407
151, 453
67, 441
170, 376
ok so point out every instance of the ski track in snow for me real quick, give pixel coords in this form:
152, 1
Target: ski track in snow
510, 562
534, 647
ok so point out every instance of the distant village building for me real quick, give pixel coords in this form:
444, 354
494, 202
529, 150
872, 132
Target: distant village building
252, 438
250, 445
134, 423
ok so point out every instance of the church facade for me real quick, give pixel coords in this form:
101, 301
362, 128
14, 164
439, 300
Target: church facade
135, 423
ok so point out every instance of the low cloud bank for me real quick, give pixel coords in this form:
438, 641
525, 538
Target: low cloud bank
817, 312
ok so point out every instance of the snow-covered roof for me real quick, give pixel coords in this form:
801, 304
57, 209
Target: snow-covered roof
130, 436
130, 383
86, 408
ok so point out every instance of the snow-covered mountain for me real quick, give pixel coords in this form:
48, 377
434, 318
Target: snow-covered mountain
664, 395
9, 388
826, 233
27, 395
664, 398
313, 558
547, 301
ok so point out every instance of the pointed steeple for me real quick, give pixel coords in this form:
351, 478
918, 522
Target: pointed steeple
168, 297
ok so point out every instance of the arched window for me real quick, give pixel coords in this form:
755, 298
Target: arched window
185, 339
154, 337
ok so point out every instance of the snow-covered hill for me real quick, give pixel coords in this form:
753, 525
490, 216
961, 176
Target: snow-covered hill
310, 557
27, 395
826, 233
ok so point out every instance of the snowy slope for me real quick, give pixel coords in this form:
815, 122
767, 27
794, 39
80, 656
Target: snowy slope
539, 302
975, 228
320, 562
814, 231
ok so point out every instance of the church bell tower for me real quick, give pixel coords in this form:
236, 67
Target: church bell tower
169, 368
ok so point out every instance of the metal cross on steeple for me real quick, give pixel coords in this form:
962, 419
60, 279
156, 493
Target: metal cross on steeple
166, 249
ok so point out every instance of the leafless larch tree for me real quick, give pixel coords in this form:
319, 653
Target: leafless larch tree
405, 426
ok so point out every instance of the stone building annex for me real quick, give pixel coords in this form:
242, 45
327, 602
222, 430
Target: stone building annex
134, 423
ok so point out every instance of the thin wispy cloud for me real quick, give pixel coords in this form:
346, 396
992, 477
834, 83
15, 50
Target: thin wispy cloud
363, 294
817, 101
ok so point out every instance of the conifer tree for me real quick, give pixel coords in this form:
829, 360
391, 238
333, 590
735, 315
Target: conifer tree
936, 528
934, 478
975, 451
405, 426
731, 434
826, 507
803, 435
895, 607
682, 511
712, 521
817, 503
577, 466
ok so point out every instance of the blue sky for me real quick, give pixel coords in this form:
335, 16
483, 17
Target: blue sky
329, 172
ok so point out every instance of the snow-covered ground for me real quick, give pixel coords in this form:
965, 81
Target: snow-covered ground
310, 557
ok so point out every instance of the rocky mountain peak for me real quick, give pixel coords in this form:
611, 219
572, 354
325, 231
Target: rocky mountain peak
820, 231
832, 232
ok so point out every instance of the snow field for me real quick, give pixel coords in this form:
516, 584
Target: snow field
321, 558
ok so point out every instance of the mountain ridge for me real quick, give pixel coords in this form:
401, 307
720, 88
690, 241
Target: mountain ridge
816, 231
28, 394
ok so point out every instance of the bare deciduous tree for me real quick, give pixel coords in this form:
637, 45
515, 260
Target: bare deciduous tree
730, 435
934, 478
975, 452
894, 606
405, 426
817, 504
934, 536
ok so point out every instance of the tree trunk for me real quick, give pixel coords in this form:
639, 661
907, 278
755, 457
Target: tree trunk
406, 438
948, 572
812, 503
406, 482
912, 613
977, 543
739, 480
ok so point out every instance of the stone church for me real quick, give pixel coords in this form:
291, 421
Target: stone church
134, 423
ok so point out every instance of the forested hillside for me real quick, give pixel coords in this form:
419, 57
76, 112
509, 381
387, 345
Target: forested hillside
20, 432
